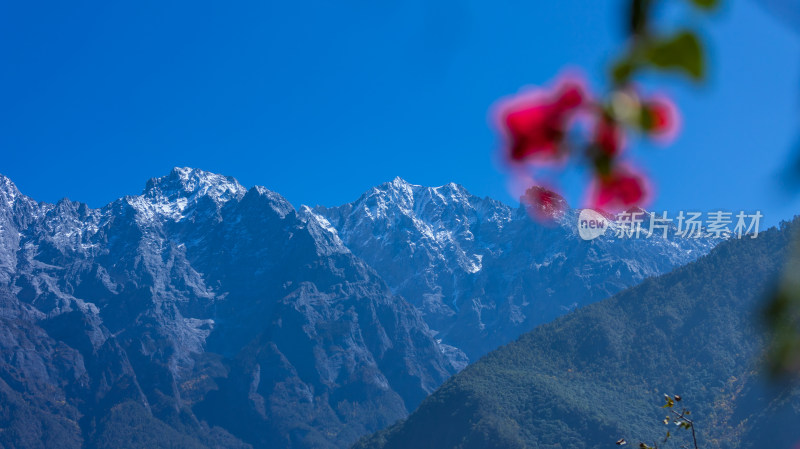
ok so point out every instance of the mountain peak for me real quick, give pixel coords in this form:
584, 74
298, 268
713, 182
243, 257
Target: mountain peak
399, 184
398, 181
409, 190
8, 191
11, 198
186, 181
452, 189
173, 194
276, 201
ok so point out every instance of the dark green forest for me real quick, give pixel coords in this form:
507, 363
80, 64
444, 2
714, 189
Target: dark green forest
600, 373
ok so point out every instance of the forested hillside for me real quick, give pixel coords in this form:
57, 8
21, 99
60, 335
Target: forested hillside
599, 373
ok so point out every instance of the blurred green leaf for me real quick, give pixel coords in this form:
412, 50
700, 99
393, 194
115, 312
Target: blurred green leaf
783, 318
640, 10
791, 176
622, 71
602, 161
705, 4
646, 123
680, 52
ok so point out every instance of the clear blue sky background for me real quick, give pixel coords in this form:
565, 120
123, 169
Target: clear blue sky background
321, 100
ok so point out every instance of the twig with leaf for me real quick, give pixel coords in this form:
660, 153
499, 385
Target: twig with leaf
677, 418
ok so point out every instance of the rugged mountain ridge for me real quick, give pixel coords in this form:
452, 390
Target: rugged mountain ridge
219, 314
201, 313
482, 272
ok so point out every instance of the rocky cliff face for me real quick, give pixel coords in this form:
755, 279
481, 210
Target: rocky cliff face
220, 315
483, 273
204, 314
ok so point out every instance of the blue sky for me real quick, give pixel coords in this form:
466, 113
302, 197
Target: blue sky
321, 100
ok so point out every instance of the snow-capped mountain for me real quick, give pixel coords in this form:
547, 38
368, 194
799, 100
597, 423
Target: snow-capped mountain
481, 272
210, 314
201, 313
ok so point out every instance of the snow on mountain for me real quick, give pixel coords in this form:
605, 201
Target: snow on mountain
218, 314
225, 317
482, 272
175, 195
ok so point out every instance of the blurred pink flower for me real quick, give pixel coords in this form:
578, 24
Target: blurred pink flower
534, 124
663, 119
621, 189
544, 205
609, 136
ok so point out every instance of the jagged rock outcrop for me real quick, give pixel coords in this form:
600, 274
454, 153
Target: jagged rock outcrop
482, 272
218, 314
